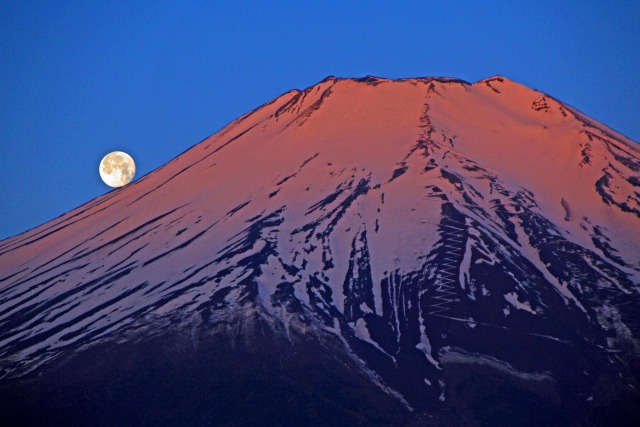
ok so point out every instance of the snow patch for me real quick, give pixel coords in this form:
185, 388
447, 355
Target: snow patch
512, 298
458, 355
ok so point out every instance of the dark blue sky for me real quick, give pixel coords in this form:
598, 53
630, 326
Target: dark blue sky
80, 78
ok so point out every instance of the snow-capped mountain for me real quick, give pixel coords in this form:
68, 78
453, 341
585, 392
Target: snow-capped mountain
453, 253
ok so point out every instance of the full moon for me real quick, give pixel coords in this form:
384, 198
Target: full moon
117, 169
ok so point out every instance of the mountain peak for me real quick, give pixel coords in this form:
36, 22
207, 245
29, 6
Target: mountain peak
421, 232
370, 79
498, 77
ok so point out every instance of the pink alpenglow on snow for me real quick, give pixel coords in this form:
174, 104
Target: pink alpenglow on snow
426, 229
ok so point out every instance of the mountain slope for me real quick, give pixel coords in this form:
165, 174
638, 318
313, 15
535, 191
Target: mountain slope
441, 237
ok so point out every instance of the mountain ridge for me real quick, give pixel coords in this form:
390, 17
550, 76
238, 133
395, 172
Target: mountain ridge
427, 227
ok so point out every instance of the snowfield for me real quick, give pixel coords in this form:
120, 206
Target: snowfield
425, 223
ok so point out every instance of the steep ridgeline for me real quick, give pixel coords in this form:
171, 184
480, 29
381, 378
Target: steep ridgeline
366, 251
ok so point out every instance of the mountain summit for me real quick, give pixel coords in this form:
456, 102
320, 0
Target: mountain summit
419, 251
